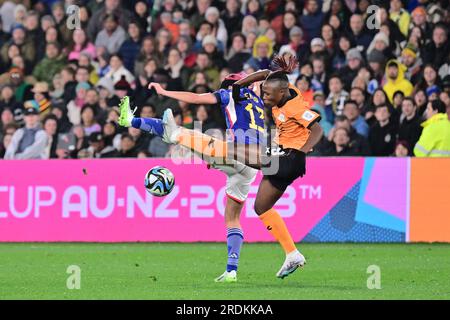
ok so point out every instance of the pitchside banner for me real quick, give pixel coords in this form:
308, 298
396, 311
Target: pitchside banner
339, 199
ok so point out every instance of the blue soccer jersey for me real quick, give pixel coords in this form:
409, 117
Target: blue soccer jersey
244, 118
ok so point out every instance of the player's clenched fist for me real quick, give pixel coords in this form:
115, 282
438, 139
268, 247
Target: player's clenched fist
157, 87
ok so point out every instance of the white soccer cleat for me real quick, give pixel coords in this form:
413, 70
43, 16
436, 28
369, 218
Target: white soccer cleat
293, 261
171, 130
227, 277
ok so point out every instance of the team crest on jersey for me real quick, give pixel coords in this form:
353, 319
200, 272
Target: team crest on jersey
308, 115
282, 117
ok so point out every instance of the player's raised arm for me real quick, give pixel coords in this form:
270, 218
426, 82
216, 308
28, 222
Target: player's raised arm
188, 97
251, 78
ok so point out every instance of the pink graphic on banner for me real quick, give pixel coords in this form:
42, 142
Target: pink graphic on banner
93, 201
387, 186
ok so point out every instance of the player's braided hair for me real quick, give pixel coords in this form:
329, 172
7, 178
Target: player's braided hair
279, 63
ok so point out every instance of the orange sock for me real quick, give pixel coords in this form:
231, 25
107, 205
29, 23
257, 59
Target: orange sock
203, 144
276, 226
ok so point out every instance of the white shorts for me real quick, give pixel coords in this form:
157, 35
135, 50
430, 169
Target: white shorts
239, 179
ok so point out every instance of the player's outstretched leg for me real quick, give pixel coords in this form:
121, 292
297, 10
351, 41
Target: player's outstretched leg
266, 198
198, 142
127, 119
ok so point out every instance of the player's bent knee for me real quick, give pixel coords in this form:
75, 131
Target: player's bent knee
259, 209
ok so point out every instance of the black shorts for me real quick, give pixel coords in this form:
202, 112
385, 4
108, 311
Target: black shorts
292, 165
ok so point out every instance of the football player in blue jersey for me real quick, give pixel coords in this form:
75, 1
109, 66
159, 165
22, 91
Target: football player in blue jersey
244, 113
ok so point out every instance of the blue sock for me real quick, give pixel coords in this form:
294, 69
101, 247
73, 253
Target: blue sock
152, 125
235, 238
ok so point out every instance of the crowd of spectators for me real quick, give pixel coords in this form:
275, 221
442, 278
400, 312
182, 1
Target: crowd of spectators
372, 75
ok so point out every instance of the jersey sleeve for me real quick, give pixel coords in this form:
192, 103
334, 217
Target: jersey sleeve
223, 97
307, 117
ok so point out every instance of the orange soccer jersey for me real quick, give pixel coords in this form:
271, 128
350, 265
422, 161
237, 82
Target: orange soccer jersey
293, 121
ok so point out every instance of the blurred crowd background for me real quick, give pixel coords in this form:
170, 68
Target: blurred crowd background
375, 78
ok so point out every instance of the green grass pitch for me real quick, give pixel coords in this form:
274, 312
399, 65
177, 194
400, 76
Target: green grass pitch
186, 271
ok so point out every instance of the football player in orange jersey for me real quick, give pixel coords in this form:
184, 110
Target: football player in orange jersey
298, 131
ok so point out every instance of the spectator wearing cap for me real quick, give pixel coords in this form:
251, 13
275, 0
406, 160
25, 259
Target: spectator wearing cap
412, 62
18, 38
42, 97
435, 138
52, 64
354, 63
297, 46
262, 52
118, 71
75, 105
129, 50
112, 35
30, 141
376, 61
383, 134
212, 15
318, 49
410, 128
80, 43
381, 43
238, 54
358, 33
312, 19
436, 52
122, 88
209, 45
419, 19
396, 80
98, 148
433, 92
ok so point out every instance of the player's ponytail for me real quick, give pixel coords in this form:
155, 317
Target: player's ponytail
286, 65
